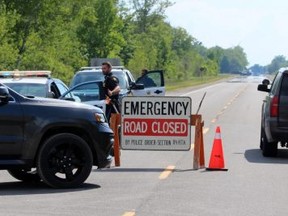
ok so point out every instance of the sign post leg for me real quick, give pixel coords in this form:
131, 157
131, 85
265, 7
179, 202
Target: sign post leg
202, 157
198, 159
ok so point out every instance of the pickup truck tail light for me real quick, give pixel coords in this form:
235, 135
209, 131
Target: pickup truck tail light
274, 106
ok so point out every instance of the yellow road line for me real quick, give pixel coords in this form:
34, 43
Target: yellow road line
167, 172
131, 213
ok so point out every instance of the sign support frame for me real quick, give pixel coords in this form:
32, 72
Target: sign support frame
198, 158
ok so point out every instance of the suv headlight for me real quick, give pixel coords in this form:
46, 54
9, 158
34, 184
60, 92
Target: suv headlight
100, 117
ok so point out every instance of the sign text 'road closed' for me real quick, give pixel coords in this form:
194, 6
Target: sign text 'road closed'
156, 123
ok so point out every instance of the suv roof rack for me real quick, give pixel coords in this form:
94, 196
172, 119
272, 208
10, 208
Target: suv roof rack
99, 67
16, 73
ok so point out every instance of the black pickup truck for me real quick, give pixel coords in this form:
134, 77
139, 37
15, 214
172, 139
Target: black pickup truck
55, 141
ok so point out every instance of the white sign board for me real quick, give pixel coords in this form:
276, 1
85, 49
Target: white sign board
156, 123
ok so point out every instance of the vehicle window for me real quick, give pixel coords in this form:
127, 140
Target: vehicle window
35, 89
55, 90
130, 77
86, 92
147, 81
122, 79
91, 76
275, 83
62, 88
284, 86
85, 77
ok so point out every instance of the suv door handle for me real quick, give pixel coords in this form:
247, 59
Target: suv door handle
158, 91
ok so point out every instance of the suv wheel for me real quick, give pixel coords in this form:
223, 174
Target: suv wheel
25, 175
64, 161
269, 149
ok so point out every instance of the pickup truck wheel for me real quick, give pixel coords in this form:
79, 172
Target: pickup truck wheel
269, 149
64, 161
25, 175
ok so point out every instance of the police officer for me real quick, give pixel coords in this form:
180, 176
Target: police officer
112, 90
145, 80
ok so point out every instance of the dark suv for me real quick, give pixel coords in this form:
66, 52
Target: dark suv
51, 140
274, 121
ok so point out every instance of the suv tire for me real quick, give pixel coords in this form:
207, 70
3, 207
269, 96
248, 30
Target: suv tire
64, 161
269, 149
25, 175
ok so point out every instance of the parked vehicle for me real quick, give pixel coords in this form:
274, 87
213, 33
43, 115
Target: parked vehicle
127, 82
33, 83
274, 117
82, 89
51, 140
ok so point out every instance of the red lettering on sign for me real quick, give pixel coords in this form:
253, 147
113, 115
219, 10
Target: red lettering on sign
155, 127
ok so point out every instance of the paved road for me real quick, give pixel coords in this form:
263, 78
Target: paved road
164, 184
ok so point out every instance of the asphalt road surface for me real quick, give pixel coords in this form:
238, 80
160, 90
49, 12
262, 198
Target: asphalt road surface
161, 183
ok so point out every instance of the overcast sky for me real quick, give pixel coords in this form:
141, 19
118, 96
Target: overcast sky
260, 27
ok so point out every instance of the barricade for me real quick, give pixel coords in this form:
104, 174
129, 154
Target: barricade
195, 120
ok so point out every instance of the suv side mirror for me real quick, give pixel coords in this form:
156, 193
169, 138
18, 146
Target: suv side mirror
4, 94
263, 87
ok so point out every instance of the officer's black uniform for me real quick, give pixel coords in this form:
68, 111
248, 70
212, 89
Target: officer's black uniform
110, 83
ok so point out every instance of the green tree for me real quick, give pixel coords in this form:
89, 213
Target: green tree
127, 31
8, 51
234, 60
28, 11
100, 30
257, 69
147, 12
64, 35
44, 36
277, 63
216, 54
182, 41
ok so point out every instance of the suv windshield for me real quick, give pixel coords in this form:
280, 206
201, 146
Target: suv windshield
35, 89
86, 76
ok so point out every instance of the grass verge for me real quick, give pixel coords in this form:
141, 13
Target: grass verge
174, 85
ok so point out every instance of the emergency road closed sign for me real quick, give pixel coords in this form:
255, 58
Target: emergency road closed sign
156, 123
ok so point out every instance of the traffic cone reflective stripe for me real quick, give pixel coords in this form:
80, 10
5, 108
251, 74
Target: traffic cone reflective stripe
217, 156
217, 136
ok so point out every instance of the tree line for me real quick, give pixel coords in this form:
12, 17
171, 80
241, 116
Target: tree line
63, 36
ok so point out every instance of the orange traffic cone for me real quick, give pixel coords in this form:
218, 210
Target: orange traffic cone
217, 157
